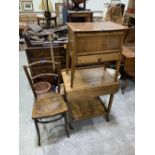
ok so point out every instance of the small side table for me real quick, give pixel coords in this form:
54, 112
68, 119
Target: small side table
83, 100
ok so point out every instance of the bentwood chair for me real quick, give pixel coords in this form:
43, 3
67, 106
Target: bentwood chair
46, 104
114, 14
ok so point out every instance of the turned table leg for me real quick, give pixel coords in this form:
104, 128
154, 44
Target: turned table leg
67, 57
72, 72
109, 106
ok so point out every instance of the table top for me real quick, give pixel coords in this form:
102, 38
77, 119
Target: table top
89, 81
96, 27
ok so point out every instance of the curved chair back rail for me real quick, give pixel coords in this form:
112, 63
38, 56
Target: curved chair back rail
44, 74
43, 61
31, 78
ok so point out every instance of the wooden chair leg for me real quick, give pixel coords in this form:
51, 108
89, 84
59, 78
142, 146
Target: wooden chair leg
125, 86
66, 124
109, 107
70, 125
70, 121
38, 132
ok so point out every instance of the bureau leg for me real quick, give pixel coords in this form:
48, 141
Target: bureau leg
109, 106
69, 114
67, 57
72, 72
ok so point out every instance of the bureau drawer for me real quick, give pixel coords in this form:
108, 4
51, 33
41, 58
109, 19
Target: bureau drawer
98, 58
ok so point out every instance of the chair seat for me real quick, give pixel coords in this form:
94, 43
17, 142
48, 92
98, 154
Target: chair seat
47, 105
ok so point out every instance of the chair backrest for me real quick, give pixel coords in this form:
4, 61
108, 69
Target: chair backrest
114, 14
122, 7
31, 78
130, 36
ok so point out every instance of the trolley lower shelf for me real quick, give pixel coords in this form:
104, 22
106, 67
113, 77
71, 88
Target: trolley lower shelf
87, 108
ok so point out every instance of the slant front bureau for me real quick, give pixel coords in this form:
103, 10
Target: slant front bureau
93, 43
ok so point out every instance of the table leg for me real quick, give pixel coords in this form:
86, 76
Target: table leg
38, 21
109, 106
48, 22
70, 123
67, 57
72, 72
55, 20
70, 117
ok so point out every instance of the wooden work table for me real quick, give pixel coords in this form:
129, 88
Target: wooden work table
83, 99
92, 43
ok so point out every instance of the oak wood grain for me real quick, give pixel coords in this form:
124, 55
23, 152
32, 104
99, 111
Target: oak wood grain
47, 105
87, 108
97, 26
94, 43
89, 82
